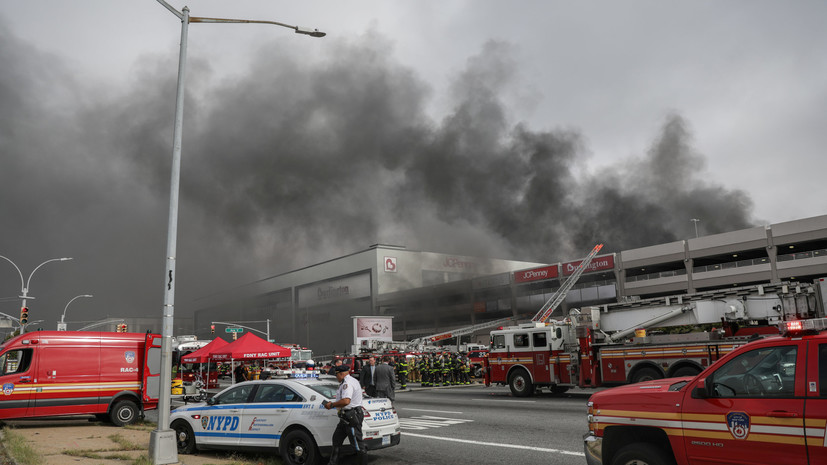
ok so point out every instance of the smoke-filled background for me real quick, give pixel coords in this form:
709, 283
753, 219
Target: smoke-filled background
299, 150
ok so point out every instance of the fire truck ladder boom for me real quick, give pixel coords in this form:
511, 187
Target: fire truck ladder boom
461, 331
545, 312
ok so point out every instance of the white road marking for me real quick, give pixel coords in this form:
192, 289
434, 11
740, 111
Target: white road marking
425, 410
510, 446
508, 400
427, 421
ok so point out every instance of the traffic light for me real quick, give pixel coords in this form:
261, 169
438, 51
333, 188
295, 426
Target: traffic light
121, 328
212, 329
24, 315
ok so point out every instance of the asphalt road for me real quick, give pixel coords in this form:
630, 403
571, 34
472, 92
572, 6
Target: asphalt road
478, 425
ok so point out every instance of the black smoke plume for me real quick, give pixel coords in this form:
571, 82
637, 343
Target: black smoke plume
299, 160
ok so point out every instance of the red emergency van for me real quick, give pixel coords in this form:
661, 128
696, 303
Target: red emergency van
114, 376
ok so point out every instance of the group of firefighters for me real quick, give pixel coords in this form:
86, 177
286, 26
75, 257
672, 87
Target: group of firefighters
435, 369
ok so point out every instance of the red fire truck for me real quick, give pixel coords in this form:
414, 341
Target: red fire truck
610, 344
763, 403
114, 376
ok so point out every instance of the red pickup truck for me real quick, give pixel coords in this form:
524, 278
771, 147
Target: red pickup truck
763, 403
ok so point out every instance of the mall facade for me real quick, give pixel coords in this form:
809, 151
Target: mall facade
427, 293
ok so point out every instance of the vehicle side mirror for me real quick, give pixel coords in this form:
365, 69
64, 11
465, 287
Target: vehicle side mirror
701, 390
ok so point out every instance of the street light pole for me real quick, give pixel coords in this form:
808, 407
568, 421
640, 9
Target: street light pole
695, 220
162, 445
24, 285
62, 326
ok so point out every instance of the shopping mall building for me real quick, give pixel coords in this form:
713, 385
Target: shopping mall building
428, 292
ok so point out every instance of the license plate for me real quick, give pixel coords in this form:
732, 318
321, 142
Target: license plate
386, 440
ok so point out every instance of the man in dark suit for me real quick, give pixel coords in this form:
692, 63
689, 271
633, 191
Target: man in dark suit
367, 378
385, 380
378, 379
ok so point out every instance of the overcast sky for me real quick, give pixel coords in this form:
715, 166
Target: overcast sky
525, 130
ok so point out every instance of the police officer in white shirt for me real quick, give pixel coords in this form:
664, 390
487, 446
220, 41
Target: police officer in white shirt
349, 403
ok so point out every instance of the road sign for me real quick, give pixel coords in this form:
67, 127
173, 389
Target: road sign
234, 330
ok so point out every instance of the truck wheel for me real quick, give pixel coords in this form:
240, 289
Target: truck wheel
520, 384
299, 448
123, 413
646, 374
184, 437
642, 453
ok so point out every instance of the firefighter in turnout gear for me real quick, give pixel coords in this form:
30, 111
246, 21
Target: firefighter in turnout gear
415, 374
466, 370
438, 361
455, 370
423, 370
446, 369
402, 371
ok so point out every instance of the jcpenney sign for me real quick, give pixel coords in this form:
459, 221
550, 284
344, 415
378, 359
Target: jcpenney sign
536, 274
598, 264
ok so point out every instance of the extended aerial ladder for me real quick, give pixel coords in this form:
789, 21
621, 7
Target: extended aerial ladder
541, 317
546, 310
461, 331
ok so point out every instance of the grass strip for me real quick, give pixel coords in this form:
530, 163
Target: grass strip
20, 448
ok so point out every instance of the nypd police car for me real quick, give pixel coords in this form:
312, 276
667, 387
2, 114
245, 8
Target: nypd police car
278, 414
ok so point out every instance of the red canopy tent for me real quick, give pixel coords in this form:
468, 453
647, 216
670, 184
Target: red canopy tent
249, 347
202, 355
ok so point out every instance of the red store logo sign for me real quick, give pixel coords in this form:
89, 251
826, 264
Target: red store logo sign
597, 264
390, 264
536, 274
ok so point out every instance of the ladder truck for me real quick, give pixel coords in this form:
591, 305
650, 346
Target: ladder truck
542, 315
643, 340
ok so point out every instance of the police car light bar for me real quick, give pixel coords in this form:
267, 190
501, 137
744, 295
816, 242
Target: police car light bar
797, 327
295, 374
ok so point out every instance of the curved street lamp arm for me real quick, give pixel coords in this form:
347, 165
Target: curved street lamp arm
196, 19
38, 266
297, 29
67, 304
22, 283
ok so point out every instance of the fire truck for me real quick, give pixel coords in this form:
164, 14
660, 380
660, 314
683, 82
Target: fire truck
643, 340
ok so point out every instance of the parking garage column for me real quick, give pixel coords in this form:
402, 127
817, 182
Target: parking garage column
772, 252
620, 277
689, 264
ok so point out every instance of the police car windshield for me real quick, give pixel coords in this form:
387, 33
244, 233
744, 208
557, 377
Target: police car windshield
327, 390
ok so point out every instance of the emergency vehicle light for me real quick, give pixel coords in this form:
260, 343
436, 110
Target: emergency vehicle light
295, 374
798, 327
